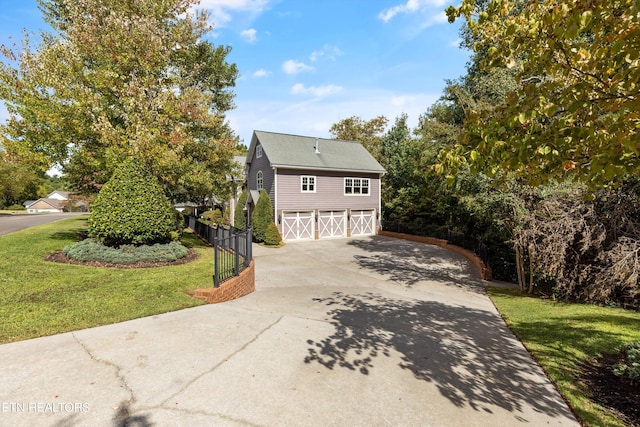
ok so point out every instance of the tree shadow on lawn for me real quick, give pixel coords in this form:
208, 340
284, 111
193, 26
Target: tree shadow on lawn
409, 262
469, 354
76, 234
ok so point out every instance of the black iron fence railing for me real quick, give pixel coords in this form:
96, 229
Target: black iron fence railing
231, 248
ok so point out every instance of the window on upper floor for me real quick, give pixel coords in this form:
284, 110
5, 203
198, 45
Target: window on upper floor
308, 184
357, 186
259, 180
258, 151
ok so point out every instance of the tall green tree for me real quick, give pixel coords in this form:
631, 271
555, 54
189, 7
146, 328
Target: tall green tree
368, 133
239, 216
573, 113
262, 216
18, 181
118, 79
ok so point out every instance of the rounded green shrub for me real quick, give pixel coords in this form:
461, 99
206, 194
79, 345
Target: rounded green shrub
90, 250
272, 236
132, 208
262, 216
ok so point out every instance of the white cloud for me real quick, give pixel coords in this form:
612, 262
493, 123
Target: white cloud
222, 10
261, 73
411, 6
294, 67
328, 51
317, 91
249, 35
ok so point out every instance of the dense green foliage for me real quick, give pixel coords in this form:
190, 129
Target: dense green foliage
17, 181
573, 112
132, 208
117, 78
90, 250
630, 366
262, 216
239, 216
212, 217
272, 235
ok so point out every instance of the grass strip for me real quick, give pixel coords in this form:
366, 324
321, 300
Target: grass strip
563, 337
39, 298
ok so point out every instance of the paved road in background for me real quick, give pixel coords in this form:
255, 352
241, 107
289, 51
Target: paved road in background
348, 332
12, 223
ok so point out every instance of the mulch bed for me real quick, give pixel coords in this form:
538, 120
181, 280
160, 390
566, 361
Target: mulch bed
611, 391
59, 257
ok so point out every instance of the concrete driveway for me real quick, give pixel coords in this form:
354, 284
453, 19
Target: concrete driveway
360, 332
12, 223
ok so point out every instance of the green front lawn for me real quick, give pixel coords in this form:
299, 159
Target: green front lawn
562, 337
40, 298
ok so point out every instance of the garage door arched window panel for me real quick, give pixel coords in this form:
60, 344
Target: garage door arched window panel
357, 186
259, 180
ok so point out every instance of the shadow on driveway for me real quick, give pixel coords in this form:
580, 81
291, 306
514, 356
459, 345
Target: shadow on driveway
469, 354
409, 263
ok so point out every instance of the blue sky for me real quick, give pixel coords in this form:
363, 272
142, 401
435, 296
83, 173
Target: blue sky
306, 64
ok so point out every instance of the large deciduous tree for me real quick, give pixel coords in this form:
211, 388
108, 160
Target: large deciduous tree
369, 133
119, 79
574, 112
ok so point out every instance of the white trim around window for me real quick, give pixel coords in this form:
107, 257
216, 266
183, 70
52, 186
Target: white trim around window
307, 184
357, 186
258, 151
259, 180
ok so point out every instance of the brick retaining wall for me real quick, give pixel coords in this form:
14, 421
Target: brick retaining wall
484, 270
231, 289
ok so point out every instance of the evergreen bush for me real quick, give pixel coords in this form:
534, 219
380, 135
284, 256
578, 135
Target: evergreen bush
90, 250
262, 216
272, 236
132, 208
239, 220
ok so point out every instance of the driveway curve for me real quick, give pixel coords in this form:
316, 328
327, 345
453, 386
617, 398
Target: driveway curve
348, 332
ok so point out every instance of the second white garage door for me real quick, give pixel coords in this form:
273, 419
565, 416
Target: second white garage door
332, 224
297, 225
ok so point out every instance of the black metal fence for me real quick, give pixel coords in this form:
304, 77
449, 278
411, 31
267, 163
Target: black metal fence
231, 248
442, 232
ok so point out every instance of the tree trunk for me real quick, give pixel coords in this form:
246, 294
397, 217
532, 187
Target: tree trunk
531, 282
520, 267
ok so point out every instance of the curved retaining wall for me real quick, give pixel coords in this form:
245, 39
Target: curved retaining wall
483, 269
231, 289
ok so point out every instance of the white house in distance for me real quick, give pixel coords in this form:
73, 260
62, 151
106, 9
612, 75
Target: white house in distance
53, 203
320, 188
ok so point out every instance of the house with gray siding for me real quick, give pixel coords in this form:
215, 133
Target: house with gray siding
319, 188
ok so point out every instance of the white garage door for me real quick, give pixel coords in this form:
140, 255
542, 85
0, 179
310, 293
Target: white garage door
363, 223
332, 224
297, 225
